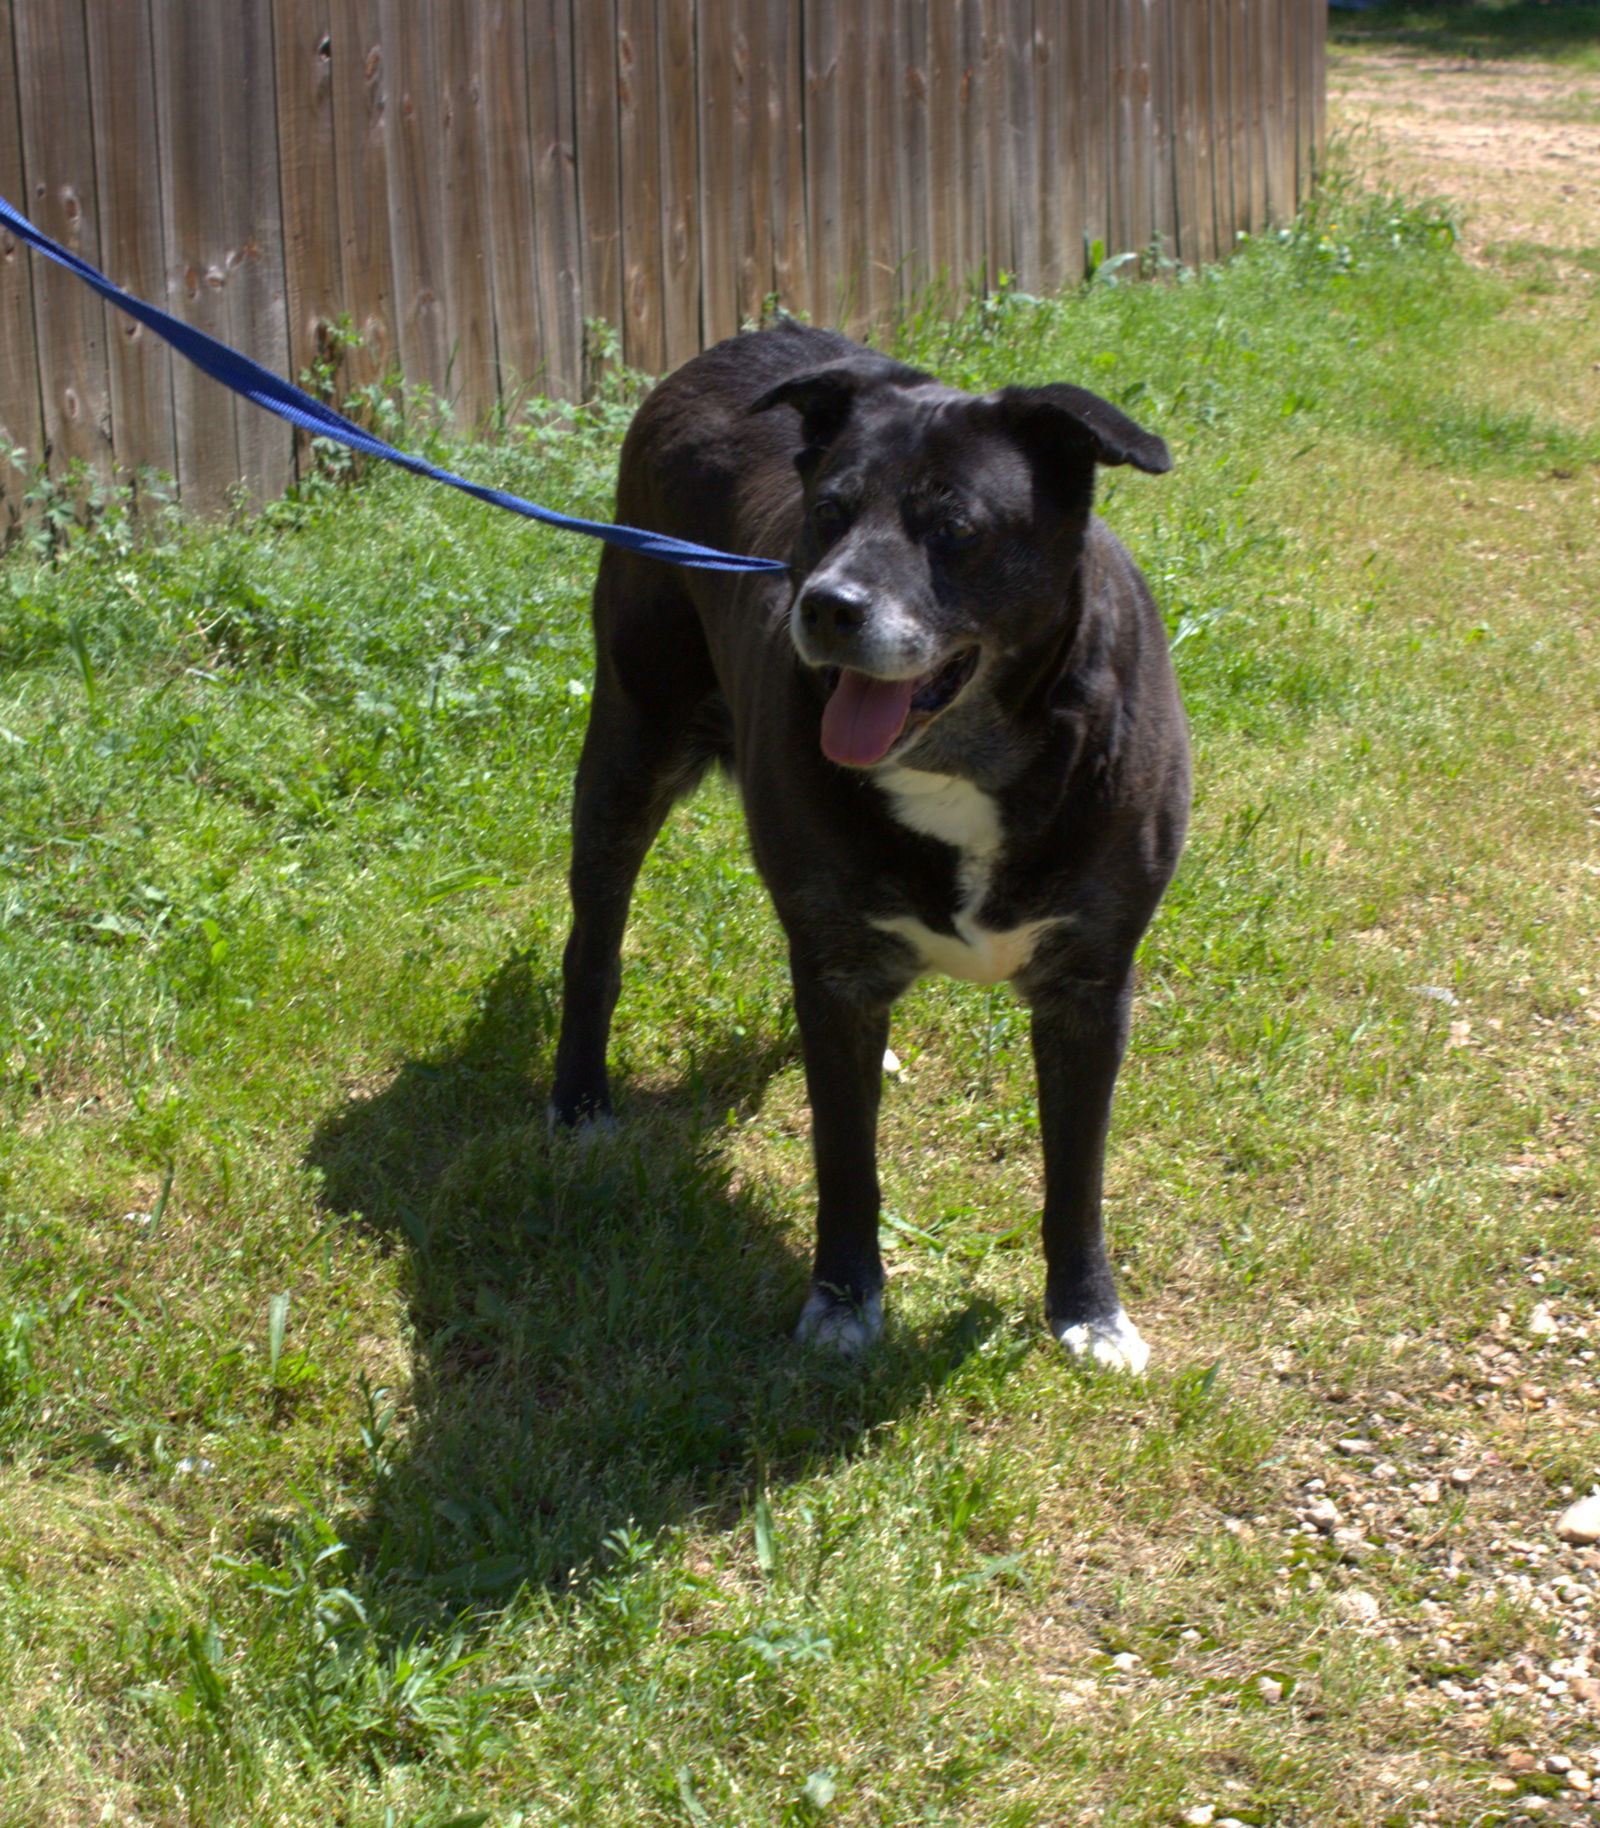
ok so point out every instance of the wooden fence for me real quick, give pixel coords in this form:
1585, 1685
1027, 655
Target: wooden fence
466, 182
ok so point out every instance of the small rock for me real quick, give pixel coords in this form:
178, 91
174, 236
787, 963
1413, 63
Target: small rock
1502, 1786
1201, 1816
1580, 1522
1580, 1781
1359, 1606
1558, 1764
1462, 1476
1324, 1516
1353, 1444
1542, 1323
1270, 1689
1126, 1661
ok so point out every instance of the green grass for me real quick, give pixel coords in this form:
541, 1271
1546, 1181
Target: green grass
368, 1456
1565, 32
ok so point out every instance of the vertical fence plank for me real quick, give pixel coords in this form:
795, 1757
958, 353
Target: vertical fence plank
1216, 32
946, 261
1055, 169
784, 114
58, 156
251, 208
1021, 162
1134, 192
128, 180
465, 268
21, 418
1121, 148
973, 213
595, 140
1075, 124
720, 102
995, 141
1273, 88
416, 195
360, 101
1191, 162
189, 115
309, 176
639, 135
1239, 117
560, 250
755, 149
825, 238
1092, 101
1162, 127
913, 237
1255, 112
853, 279
879, 108
1212, 101
511, 215
680, 179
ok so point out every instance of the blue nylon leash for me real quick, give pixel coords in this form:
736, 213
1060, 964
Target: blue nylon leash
277, 396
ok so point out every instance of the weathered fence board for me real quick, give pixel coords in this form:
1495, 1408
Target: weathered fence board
785, 124
360, 100
21, 417
56, 140
123, 90
470, 183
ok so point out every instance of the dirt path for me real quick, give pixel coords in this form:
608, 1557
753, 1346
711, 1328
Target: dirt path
1515, 145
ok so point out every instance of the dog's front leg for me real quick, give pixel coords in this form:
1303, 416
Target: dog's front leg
843, 1038
1079, 1033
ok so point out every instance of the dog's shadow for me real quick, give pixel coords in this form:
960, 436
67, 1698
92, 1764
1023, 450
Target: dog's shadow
597, 1322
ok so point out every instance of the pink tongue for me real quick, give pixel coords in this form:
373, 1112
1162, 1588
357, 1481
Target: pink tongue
863, 717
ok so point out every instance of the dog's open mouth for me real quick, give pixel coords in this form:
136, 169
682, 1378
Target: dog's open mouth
866, 717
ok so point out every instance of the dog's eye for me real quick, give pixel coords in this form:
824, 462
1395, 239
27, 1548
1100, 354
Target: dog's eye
954, 530
828, 517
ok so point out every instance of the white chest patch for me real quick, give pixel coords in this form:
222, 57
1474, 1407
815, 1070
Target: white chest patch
963, 816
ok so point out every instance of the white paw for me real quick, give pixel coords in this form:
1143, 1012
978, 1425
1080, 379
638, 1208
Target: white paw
1114, 1342
586, 1132
839, 1326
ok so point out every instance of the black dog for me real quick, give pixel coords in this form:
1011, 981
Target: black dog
955, 729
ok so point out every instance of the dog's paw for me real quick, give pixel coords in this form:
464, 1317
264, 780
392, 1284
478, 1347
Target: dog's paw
1114, 1342
582, 1131
833, 1324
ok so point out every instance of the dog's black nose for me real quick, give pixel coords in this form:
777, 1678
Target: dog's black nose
833, 609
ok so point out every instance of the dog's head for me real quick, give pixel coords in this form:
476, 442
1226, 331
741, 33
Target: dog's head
941, 534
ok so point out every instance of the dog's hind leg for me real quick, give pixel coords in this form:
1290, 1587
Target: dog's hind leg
647, 745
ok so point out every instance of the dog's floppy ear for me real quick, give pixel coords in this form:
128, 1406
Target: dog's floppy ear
1083, 419
824, 397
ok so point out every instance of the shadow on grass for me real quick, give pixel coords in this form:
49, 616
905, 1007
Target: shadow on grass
1473, 28
599, 1326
